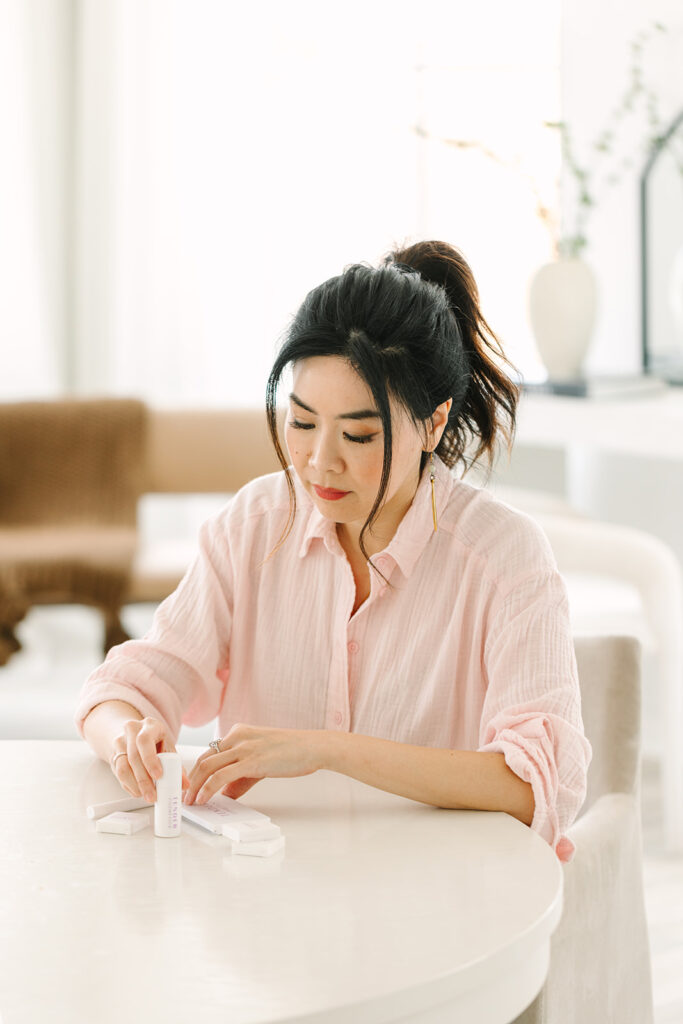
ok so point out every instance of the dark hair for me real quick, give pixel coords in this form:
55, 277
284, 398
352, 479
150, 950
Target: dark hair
412, 329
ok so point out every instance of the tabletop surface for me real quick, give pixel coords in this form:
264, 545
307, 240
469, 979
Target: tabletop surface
377, 902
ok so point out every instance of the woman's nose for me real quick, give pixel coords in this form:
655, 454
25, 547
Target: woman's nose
324, 454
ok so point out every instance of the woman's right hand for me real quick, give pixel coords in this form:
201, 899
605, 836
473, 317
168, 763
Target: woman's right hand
138, 766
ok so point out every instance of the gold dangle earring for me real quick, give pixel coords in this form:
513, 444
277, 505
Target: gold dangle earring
431, 477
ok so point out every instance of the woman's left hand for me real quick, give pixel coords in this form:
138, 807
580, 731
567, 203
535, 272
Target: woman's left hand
250, 753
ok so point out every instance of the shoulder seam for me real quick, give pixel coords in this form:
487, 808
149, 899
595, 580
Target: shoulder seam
544, 569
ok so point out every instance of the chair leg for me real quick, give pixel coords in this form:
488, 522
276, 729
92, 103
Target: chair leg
9, 644
672, 763
114, 633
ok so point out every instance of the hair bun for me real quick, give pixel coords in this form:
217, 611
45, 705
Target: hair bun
405, 268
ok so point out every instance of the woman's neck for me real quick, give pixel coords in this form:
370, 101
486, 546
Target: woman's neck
381, 532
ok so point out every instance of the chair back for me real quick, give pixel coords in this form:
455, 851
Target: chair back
610, 681
208, 450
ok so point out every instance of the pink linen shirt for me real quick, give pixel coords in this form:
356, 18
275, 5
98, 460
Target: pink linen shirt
468, 647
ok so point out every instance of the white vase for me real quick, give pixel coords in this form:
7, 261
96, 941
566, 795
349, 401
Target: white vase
562, 303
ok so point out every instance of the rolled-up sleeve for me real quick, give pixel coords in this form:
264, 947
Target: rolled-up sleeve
532, 708
178, 671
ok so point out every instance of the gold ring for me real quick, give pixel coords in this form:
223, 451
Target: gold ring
121, 753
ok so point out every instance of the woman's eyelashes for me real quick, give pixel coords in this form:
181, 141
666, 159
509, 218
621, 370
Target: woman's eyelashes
357, 439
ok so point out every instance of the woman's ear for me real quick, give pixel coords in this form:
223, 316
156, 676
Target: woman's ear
437, 424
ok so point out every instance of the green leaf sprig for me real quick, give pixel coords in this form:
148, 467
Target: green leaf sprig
572, 243
569, 244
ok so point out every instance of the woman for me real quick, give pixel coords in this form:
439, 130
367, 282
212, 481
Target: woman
370, 613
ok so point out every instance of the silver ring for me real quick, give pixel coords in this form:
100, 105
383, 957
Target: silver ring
121, 753
216, 745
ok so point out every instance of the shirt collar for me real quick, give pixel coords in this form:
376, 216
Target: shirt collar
317, 526
413, 531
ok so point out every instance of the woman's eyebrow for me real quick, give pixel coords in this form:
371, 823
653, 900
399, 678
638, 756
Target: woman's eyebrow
362, 414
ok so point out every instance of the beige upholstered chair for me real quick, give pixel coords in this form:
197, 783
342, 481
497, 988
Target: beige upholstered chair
600, 957
633, 558
194, 451
606, 566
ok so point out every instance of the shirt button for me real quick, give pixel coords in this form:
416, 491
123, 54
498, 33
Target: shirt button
352, 646
338, 717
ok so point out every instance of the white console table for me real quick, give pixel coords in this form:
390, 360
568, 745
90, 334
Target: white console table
646, 425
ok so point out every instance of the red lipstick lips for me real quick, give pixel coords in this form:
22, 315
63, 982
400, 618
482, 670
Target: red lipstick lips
328, 493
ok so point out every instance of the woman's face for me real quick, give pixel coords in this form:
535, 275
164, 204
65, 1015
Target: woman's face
336, 445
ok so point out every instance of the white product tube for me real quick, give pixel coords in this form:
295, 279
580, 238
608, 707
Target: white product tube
167, 818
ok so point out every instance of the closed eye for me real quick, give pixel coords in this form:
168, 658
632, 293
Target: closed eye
361, 439
357, 439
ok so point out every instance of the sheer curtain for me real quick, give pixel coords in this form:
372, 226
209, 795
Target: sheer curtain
34, 87
219, 161
253, 157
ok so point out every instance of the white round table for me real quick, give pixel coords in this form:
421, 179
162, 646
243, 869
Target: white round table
378, 909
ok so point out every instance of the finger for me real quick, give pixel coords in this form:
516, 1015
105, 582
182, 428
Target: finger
142, 778
197, 767
150, 738
208, 768
239, 787
123, 773
215, 783
205, 767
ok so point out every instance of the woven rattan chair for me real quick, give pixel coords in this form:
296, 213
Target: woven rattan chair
71, 473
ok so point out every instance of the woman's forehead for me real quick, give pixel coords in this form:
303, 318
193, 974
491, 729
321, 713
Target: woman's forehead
330, 386
332, 380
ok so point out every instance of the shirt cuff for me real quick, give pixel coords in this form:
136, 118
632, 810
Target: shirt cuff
97, 693
528, 752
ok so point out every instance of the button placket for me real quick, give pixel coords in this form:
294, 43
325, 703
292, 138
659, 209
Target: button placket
338, 707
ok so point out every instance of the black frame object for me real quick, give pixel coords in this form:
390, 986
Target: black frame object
666, 366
